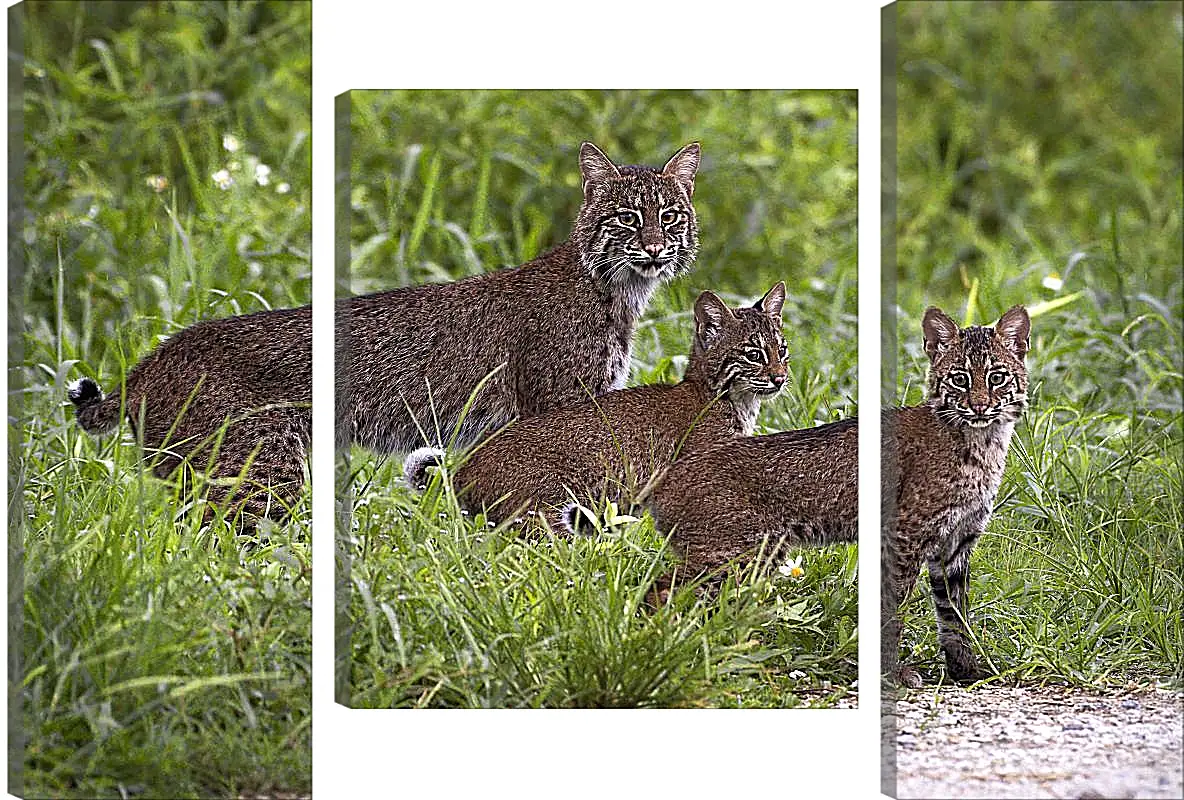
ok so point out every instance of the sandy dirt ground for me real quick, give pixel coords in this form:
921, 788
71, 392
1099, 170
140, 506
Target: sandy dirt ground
1040, 742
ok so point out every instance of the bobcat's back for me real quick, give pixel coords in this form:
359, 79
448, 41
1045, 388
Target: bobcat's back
790, 488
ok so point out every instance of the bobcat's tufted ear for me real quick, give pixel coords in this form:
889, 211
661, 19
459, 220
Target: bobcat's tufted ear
683, 165
595, 166
1013, 329
711, 314
940, 331
772, 302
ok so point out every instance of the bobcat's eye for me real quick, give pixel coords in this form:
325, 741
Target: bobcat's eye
996, 379
755, 355
628, 218
782, 350
959, 380
669, 216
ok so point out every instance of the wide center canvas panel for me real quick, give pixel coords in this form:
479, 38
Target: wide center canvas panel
689, 277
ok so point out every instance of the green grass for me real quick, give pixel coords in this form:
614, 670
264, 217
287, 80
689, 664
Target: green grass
157, 656
440, 611
1051, 149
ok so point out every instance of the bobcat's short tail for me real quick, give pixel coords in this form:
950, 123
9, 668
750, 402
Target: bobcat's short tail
96, 413
417, 464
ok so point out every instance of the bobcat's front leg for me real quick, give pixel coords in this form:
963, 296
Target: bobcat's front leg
949, 576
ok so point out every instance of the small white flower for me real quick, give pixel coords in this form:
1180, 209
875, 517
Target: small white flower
92, 212
792, 568
222, 179
157, 183
1052, 281
230, 142
283, 188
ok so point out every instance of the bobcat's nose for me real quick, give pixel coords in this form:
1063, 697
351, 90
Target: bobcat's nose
777, 380
653, 249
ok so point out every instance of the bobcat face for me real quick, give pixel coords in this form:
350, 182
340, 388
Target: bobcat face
637, 223
977, 375
741, 350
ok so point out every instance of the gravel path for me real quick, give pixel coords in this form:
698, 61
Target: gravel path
1040, 742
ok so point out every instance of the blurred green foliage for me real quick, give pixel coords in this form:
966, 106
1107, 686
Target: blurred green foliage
1030, 132
117, 94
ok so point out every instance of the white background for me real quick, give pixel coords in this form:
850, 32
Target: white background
694, 753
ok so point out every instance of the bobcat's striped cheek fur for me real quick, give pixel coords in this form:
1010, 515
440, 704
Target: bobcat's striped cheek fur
976, 375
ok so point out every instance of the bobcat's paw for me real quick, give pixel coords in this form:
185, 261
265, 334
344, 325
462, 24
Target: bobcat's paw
657, 598
659, 594
968, 675
963, 669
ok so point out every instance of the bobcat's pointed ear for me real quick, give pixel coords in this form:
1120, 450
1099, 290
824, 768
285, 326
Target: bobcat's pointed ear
772, 302
711, 314
683, 165
595, 166
1013, 329
940, 331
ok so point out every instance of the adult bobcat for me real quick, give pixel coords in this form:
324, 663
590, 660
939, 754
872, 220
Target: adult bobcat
233, 396
609, 447
552, 332
943, 460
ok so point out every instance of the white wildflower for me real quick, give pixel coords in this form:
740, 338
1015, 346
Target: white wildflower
230, 143
792, 568
1052, 281
222, 179
283, 188
157, 183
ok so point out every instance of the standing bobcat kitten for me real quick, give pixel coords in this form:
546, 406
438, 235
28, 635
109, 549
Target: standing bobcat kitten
232, 396
944, 461
610, 446
549, 333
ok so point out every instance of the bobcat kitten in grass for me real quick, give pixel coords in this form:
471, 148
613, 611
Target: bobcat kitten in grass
609, 447
557, 329
229, 396
943, 462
